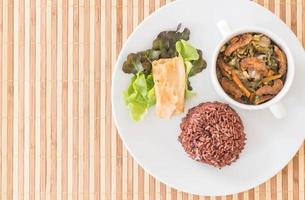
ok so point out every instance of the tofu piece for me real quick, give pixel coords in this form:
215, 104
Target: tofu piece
170, 82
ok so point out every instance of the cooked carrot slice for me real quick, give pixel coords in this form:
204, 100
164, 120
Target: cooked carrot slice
240, 84
271, 78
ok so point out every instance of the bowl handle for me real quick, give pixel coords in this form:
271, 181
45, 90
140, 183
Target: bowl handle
224, 28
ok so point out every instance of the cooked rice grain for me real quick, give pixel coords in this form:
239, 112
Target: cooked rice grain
212, 133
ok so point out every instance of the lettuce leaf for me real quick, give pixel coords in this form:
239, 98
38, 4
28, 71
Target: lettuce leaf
189, 94
186, 51
188, 66
140, 95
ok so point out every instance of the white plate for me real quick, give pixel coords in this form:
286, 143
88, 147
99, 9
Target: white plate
271, 143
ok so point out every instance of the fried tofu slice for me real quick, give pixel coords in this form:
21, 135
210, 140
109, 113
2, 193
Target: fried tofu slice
170, 82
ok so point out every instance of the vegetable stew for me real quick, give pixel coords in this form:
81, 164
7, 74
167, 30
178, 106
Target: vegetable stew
251, 68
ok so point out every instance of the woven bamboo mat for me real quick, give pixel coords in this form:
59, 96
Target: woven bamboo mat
57, 137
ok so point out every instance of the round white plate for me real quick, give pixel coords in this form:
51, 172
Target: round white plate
271, 143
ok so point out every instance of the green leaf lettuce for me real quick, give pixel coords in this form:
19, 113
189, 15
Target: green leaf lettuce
186, 51
140, 95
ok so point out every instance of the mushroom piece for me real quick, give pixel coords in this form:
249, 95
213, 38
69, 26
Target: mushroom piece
231, 88
256, 68
281, 57
224, 68
235, 44
271, 90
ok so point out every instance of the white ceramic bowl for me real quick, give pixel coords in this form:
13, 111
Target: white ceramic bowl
274, 104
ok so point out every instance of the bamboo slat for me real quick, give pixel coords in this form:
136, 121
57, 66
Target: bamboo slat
57, 136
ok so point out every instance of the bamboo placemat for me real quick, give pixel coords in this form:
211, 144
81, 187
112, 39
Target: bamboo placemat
57, 136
